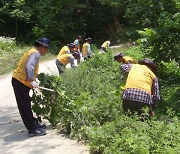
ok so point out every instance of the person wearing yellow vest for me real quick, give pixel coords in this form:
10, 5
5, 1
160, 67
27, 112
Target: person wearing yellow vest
141, 89
86, 49
105, 45
119, 57
24, 79
63, 60
77, 44
67, 49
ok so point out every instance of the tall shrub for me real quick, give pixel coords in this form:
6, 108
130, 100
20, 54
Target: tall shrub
161, 42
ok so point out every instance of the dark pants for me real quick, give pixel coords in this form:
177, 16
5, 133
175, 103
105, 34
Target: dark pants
134, 106
24, 104
59, 66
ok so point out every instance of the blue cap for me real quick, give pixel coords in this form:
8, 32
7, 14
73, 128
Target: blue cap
43, 41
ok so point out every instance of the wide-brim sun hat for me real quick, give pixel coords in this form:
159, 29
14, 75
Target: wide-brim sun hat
117, 56
43, 41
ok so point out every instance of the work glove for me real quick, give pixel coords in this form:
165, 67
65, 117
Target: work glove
34, 84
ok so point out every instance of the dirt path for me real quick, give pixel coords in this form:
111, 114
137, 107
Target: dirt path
13, 134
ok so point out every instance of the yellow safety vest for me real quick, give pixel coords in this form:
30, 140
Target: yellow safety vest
84, 49
63, 51
127, 58
20, 71
64, 59
106, 44
140, 77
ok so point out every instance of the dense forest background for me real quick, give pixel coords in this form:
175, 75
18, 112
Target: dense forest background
156, 22
63, 20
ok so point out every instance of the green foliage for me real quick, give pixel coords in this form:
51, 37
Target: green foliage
55, 11
15, 18
145, 13
161, 42
10, 52
170, 86
44, 106
86, 103
63, 21
130, 135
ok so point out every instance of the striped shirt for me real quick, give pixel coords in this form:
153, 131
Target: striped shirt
138, 94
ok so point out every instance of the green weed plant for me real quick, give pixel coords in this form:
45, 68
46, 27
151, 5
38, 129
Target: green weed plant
86, 104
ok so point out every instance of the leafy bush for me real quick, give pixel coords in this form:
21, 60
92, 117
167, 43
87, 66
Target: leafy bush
86, 103
82, 95
130, 135
161, 42
170, 86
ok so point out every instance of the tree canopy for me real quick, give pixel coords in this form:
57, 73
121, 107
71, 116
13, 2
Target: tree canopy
62, 21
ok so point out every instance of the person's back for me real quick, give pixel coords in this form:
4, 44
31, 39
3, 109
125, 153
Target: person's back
64, 59
64, 50
105, 45
140, 77
84, 49
141, 89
